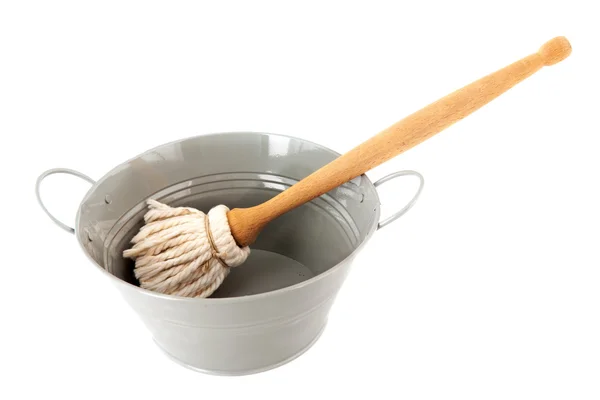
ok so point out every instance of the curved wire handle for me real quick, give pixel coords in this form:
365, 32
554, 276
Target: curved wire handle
410, 204
39, 198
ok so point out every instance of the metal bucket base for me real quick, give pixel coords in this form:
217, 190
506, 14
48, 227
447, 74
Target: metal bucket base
263, 271
243, 372
273, 308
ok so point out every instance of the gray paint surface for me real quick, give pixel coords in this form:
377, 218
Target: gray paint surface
272, 308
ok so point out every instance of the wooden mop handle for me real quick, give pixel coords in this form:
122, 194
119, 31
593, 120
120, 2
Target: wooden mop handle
427, 122
412, 130
437, 116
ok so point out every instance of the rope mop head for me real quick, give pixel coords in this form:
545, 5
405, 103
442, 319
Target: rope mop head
182, 251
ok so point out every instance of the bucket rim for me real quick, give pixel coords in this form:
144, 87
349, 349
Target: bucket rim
227, 300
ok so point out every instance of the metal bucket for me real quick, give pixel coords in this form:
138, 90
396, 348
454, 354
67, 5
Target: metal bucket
274, 307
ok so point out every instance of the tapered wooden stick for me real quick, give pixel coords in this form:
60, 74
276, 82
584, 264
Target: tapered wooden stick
247, 223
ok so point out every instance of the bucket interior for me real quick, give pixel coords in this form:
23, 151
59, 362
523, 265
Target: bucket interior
297, 246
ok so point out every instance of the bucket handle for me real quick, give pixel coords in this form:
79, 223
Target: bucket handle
49, 172
379, 182
409, 205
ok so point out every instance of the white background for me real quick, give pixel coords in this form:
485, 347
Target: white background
487, 289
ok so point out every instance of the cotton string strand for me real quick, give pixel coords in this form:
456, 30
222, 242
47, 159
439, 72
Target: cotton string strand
182, 251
